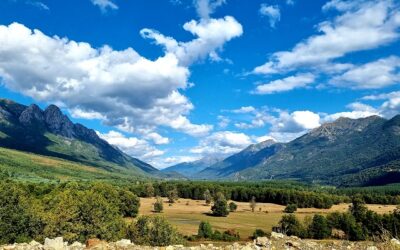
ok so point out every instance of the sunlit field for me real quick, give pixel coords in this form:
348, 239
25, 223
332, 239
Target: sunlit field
186, 215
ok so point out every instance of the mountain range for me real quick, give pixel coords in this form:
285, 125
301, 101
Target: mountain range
189, 169
345, 152
49, 132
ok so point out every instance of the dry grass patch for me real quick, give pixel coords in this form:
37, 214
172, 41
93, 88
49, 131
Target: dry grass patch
187, 214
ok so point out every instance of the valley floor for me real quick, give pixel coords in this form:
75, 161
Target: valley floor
187, 214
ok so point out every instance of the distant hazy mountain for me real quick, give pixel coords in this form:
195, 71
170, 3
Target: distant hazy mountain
250, 156
50, 132
345, 152
189, 169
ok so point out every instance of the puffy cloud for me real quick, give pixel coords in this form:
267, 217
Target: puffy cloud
391, 103
105, 5
358, 110
272, 12
78, 113
131, 145
296, 121
211, 35
222, 143
205, 8
285, 84
121, 87
361, 25
373, 75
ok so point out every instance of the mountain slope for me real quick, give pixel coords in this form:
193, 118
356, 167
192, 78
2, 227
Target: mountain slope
189, 169
250, 156
31, 167
51, 133
344, 148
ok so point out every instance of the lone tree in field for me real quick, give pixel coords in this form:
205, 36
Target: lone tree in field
158, 205
232, 206
207, 197
253, 203
172, 195
220, 207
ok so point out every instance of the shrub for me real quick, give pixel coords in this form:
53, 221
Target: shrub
220, 207
232, 206
129, 203
172, 195
205, 230
158, 205
290, 208
154, 231
258, 233
207, 197
290, 225
230, 235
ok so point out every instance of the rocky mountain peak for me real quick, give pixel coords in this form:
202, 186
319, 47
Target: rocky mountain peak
57, 122
342, 126
258, 146
32, 115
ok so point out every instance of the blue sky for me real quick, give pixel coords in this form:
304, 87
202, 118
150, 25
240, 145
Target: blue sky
176, 80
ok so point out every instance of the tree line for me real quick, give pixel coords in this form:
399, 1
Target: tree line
270, 192
358, 223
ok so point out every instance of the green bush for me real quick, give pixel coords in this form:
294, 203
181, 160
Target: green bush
258, 233
290, 208
205, 230
158, 205
290, 225
154, 231
232, 206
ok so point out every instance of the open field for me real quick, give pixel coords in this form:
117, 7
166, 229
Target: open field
186, 215
37, 168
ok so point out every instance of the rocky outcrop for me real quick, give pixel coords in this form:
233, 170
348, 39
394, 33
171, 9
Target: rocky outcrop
32, 115
58, 123
276, 241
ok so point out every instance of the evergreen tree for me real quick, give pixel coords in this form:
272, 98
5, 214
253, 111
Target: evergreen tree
220, 207
319, 228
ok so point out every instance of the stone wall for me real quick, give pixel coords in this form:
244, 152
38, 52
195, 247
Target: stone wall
276, 241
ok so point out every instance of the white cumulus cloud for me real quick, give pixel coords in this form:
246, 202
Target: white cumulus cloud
361, 25
285, 84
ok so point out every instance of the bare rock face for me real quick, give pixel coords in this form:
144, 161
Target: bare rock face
58, 123
32, 115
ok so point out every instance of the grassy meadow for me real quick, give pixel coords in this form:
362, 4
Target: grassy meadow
187, 214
